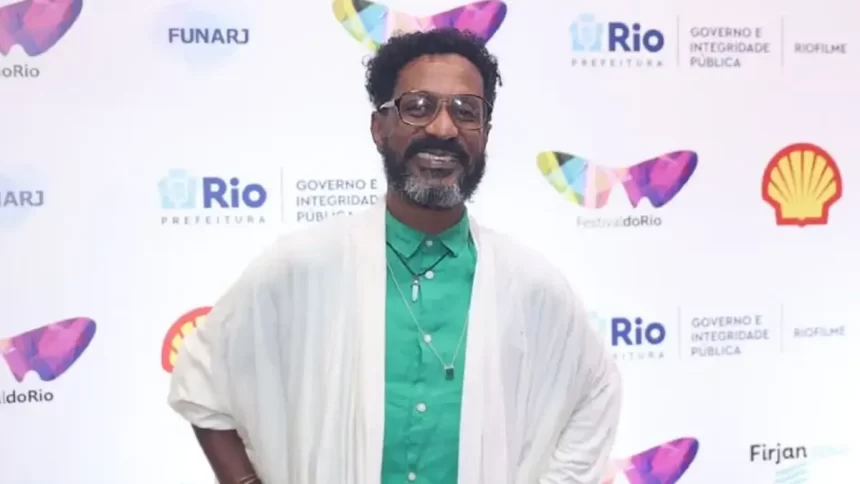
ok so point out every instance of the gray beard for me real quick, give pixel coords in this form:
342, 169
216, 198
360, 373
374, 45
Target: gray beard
414, 189
434, 197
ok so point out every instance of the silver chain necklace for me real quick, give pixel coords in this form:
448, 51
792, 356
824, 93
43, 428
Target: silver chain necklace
448, 368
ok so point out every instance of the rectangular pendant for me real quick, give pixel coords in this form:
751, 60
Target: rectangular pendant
415, 288
449, 373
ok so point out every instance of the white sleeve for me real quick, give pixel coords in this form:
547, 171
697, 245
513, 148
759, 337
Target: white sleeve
199, 383
583, 449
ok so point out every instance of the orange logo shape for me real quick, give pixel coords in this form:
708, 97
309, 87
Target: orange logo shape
801, 183
176, 335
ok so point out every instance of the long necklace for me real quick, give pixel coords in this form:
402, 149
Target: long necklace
416, 276
448, 368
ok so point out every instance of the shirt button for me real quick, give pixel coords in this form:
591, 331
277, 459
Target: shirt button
411, 476
428, 338
429, 243
429, 274
421, 407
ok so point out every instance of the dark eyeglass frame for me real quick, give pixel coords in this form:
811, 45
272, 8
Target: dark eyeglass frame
443, 101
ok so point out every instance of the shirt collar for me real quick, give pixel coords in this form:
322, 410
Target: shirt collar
407, 240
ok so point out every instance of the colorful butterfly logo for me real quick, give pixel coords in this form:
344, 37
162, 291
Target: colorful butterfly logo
49, 350
589, 185
36, 25
663, 464
373, 24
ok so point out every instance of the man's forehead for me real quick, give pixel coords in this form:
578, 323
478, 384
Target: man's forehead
442, 73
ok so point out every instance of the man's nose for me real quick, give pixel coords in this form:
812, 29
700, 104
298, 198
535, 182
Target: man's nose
443, 126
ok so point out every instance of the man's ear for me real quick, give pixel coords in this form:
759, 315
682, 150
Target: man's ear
377, 120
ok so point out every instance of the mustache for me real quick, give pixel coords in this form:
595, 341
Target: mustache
436, 144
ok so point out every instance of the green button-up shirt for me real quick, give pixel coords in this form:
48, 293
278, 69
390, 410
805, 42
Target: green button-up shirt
422, 407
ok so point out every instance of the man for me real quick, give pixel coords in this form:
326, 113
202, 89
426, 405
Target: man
407, 343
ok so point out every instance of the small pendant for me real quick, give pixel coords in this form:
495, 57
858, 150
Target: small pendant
415, 284
449, 372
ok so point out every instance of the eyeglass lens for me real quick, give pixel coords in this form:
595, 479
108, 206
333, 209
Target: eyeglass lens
420, 109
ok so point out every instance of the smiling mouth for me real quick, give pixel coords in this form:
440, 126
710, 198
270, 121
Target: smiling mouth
434, 159
438, 165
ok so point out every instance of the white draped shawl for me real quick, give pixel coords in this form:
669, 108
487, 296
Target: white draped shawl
293, 358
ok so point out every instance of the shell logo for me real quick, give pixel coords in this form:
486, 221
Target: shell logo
801, 183
176, 335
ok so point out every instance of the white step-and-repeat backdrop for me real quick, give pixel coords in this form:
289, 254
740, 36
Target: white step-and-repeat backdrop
690, 165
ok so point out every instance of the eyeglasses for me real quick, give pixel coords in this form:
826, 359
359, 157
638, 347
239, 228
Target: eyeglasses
420, 108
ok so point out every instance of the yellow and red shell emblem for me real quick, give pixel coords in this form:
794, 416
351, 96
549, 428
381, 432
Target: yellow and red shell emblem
801, 183
176, 335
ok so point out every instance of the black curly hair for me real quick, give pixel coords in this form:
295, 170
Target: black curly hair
384, 67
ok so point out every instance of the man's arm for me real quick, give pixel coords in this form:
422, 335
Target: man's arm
225, 452
200, 388
582, 453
